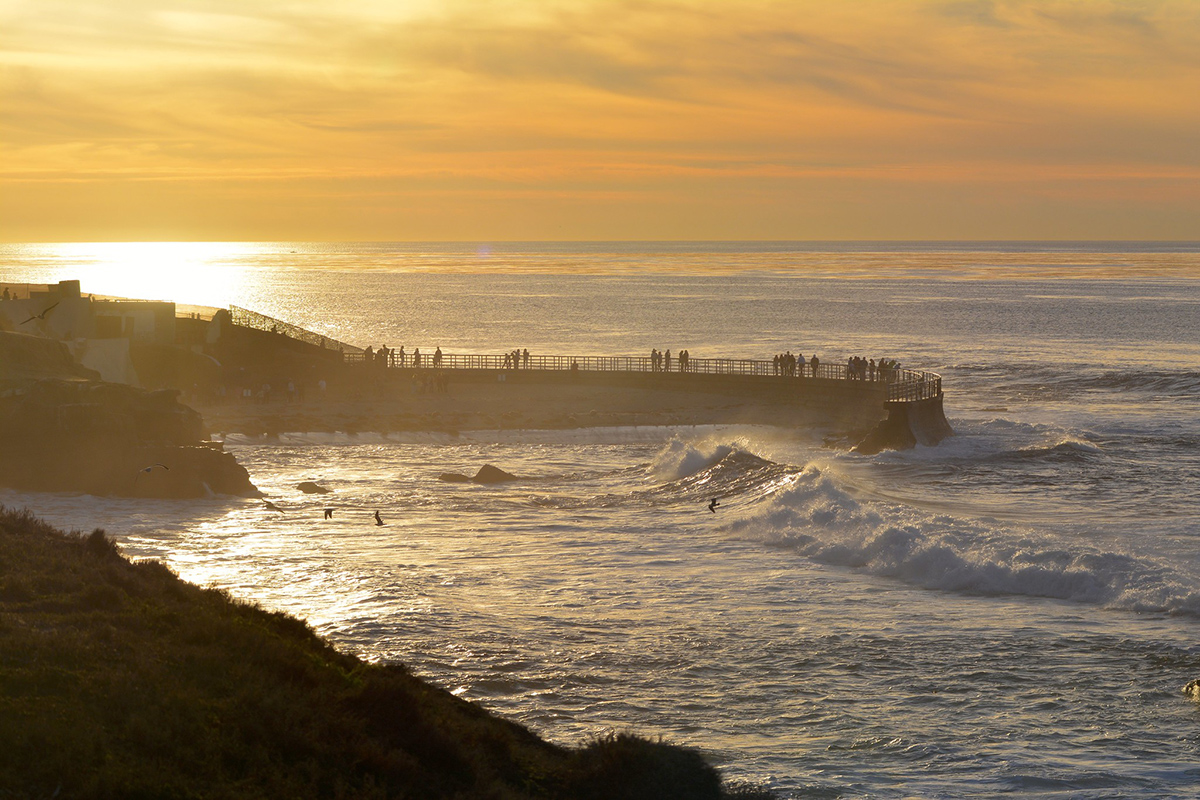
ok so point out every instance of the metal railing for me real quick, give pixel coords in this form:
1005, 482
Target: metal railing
912, 385
252, 319
900, 384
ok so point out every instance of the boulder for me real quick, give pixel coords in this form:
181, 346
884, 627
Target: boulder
489, 474
309, 487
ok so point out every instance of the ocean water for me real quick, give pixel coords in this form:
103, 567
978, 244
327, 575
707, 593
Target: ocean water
1012, 612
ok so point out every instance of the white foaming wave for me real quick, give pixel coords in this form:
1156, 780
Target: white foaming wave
816, 517
681, 459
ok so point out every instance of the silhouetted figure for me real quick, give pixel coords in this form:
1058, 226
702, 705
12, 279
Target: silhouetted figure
7, 296
713, 505
329, 513
41, 316
378, 519
437, 357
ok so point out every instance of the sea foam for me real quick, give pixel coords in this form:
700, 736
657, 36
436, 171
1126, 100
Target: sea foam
815, 516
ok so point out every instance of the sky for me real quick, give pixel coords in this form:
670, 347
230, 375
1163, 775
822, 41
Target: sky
392, 120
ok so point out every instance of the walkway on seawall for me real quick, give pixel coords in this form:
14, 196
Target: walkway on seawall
899, 385
891, 407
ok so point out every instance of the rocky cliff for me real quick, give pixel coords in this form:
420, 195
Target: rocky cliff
61, 431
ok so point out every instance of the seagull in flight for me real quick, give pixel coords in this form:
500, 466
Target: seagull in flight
713, 505
41, 316
148, 469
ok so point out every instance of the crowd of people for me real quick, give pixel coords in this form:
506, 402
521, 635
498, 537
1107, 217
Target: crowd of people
862, 369
785, 364
857, 368
384, 357
661, 362
517, 359
794, 365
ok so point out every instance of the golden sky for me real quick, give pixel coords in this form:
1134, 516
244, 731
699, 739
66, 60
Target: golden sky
586, 119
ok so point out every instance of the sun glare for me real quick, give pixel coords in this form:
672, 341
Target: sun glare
197, 273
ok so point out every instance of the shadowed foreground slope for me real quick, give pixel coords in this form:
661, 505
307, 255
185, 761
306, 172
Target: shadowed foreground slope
120, 680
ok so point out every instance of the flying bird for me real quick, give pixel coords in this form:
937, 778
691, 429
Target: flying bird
271, 506
713, 505
378, 519
149, 469
41, 316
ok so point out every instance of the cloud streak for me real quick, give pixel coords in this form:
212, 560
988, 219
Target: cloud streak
609, 96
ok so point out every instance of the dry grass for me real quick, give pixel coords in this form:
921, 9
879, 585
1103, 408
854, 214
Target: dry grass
118, 680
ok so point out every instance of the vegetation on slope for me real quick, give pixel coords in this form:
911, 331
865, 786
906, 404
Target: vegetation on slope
120, 680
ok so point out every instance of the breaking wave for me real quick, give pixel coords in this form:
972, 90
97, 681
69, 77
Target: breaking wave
815, 516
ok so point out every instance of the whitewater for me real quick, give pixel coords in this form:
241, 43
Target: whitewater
1013, 612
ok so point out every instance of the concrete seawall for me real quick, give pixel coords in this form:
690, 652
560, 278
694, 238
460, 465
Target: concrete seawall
466, 398
908, 424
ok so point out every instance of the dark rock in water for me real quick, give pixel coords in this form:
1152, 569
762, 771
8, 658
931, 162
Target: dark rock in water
489, 474
1192, 689
308, 487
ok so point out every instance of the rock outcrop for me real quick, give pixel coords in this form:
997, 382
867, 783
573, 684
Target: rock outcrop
109, 439
486, 474
907, 425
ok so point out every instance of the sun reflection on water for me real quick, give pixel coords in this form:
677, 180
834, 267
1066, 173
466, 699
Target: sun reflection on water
198, 273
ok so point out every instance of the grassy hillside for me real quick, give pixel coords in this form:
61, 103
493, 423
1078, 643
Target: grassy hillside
120, 680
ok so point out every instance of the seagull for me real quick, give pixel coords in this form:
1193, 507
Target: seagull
713, 505
271, 506
148, 469
42, 316
378, 519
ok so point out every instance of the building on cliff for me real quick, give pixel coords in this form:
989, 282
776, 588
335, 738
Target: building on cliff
98, 331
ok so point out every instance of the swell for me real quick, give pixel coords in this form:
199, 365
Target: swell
815, 516
1053, 382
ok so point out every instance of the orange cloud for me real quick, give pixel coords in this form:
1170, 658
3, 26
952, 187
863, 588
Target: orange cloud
599, 119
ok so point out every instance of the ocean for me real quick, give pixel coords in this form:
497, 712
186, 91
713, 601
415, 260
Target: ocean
1011, 613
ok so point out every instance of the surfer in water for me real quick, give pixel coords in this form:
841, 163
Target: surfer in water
713, 505
378, 519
